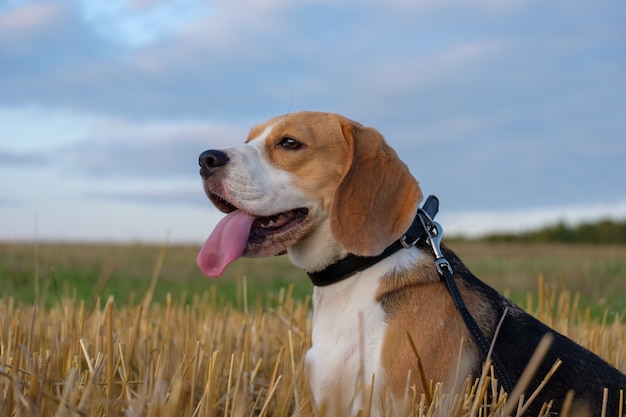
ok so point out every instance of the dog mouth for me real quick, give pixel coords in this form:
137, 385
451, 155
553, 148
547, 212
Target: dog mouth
241, 233
263, 226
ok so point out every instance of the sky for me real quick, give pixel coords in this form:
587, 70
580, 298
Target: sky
512, 112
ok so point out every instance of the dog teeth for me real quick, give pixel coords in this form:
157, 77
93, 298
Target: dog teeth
273, 221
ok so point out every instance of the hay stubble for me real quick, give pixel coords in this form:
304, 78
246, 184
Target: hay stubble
195, 359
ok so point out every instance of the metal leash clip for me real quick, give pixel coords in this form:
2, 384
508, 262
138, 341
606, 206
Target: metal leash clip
434, 231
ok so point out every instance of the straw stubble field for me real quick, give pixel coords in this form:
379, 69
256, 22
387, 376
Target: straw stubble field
199, 356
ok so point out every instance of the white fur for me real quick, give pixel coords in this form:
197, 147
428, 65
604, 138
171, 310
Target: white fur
348, 331
317, 250
260, 140
257, 186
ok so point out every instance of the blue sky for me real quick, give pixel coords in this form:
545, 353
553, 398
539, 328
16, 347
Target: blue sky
512, 112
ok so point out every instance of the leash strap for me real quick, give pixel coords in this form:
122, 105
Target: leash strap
435, 234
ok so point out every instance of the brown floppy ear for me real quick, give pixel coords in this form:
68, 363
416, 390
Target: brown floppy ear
377, 197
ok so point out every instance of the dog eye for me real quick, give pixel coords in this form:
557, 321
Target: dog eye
290, 143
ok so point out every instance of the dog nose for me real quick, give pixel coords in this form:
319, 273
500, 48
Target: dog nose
211, 159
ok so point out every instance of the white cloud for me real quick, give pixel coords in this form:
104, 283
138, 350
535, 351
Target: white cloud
489, 5
23, 19
30, 127
149, 150
139, 23
409, 74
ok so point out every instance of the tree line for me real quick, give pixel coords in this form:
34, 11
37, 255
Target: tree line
604, 231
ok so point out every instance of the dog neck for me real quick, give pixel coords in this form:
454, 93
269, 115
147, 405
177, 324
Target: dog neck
316, 251
350, 264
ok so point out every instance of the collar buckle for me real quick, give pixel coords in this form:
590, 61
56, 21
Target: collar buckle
425, 214
407, 245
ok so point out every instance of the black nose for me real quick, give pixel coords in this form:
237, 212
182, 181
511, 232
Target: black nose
210, 160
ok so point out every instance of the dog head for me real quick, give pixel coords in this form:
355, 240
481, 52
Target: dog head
316, 185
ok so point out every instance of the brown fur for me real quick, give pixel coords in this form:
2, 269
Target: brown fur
318, 165
418, 304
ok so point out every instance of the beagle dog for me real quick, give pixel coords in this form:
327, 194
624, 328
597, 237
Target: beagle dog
323, 188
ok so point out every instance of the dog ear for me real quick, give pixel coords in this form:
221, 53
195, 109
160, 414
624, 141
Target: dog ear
377, 197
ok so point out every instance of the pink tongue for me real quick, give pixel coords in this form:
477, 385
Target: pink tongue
225, 244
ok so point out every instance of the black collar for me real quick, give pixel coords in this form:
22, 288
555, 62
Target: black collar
352, 264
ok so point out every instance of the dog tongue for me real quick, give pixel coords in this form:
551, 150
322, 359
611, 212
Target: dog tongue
225, 244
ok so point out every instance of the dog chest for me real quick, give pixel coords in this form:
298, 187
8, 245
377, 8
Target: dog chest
347, 337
